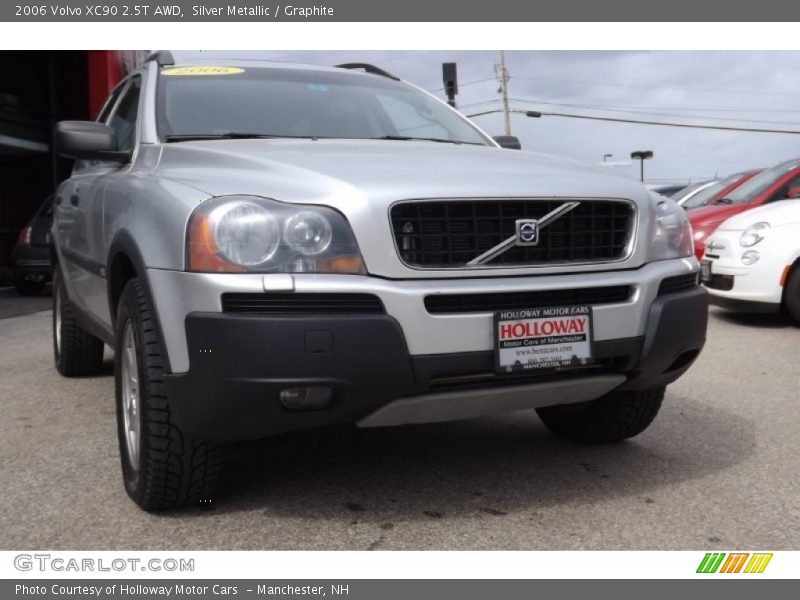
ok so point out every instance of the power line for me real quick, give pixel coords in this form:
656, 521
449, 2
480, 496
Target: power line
640, 122
645, 112
479, 102
704, 108
657, 87
460, 85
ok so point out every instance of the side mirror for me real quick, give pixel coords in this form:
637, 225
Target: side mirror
794, 192
88, 140
508, 141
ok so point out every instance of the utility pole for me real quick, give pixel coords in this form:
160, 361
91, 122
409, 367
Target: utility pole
501, 73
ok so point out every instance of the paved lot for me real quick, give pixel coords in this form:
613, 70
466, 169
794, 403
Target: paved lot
14, 305
718, 469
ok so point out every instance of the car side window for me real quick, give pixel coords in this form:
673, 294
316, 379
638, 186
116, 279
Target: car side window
102, 117
123, 120
783, 192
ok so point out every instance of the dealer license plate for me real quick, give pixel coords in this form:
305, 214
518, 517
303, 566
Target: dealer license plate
705, 270
543, 338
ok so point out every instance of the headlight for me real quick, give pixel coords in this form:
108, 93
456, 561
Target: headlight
753, 234
672, 235
308, 233
750, 257
246, 233
249, 234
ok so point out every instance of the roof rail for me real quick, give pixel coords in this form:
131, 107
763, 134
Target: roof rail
162, 58
369, 69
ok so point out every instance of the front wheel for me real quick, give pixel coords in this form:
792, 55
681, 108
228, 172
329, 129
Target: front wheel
162, 468
791, 294
612, 418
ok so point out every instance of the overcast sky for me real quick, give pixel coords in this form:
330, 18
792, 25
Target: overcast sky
740, 89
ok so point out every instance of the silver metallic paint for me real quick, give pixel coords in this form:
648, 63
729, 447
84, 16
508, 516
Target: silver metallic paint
152, 198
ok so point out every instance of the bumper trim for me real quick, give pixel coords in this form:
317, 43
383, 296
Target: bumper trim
241, 362
467, 404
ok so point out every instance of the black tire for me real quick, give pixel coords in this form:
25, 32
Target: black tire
614, 417
171, 470
29, 288
791, 294
76, 351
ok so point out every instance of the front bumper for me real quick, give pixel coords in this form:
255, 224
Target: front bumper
241, 362
177, 294
740, 287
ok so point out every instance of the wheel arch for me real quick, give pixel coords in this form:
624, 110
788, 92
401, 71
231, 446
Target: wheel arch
793, 266
125, 261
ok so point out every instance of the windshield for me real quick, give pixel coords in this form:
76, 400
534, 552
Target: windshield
284, 102
683, 192
702, 197
750, 189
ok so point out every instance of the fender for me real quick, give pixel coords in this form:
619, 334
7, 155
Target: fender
124, 246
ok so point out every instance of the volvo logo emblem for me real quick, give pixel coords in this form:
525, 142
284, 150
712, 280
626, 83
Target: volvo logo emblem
527, 232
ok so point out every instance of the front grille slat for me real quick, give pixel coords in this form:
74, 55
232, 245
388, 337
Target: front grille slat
450, 233
301, 303
473, 303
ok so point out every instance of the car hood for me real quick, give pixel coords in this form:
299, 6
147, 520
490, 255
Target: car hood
349, 172
776, 214
708, 218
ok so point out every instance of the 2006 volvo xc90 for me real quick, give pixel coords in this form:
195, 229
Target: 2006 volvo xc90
272, 247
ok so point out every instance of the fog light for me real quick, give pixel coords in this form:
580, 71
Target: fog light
750, 257
306, 398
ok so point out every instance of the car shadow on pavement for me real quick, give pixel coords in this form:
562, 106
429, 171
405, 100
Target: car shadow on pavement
492, 467
760, 320
14, 305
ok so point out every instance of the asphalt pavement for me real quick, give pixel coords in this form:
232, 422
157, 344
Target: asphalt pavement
717, 469
13, 305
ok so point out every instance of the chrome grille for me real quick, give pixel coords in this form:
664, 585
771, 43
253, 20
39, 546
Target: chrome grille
434, 234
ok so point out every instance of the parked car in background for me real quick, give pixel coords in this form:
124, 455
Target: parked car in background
718, 189
781, 181
683, 194
666, 189
752, 262
30, 260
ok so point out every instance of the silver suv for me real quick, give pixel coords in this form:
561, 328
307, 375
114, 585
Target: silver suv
271, 247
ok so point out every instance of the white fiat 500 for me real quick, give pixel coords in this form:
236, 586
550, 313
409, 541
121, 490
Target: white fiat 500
752, 262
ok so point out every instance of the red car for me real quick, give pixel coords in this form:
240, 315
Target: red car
718, 189
781, 181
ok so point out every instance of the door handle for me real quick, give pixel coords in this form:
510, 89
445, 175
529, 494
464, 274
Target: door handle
75, 199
